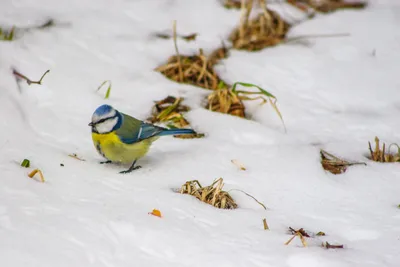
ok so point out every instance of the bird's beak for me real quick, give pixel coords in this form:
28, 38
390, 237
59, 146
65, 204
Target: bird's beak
91, 124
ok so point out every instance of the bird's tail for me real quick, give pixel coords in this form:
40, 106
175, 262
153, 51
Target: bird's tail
176, 131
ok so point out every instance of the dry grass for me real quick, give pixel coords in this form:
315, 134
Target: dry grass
329, 246
212, 194
334, 164
218, 54
169, 110
301, 233
188, 37
234, 4
34, 172
197, 69
265, 30
381, 155
12, 33
327, 6
226, 101
229, 100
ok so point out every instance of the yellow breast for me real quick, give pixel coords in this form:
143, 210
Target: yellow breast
111, 147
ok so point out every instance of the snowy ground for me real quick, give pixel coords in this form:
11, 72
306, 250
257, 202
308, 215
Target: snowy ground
334, 93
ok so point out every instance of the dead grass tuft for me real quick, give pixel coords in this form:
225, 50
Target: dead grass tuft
327, 6
197, 69
226, 101
265, 30
218, 54
170, 111
334, 164
212, 194
381, 155
229, 100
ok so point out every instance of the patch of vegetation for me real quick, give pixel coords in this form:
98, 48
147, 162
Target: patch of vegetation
334, 164
266, 30
381, 155
229, 100
7, 35
197, 69
170, 111
213, 194
326, 6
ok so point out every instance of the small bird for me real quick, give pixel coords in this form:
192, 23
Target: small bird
119, 137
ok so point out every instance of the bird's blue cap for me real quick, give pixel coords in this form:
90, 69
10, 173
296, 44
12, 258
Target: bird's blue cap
103, 110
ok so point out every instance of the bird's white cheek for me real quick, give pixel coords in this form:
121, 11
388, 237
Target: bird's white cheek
106, 126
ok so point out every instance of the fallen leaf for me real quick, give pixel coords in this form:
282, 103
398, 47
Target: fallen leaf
155, 213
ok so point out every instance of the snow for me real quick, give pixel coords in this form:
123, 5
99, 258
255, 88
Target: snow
334, 93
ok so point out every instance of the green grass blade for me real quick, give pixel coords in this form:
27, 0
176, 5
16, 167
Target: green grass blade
10, 36
262, 91
26, 163
168, 110
252, 85
108, 92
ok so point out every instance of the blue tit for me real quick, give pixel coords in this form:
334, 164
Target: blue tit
121, 138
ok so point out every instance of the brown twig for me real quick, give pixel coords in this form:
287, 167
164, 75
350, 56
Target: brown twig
300, 233
297, 38
328, 246
29, 81
261, 204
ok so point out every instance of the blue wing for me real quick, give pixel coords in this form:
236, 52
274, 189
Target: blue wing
133, 130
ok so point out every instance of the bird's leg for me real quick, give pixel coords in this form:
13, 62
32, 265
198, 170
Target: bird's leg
105, 162
131, 168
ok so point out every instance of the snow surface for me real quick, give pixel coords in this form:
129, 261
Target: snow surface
334, 93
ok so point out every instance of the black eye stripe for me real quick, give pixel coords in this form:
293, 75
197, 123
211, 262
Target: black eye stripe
105, 119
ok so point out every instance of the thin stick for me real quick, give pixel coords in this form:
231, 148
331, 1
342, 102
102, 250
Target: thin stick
290, 240
370, 150
246, 7
327, 245
29, 81
383, 153
303, 240
267, 16
249, 196
265, 224
288, 40
201, 56
177, 53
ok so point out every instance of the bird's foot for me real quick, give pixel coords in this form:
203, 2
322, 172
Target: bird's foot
105, 162
131, 169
